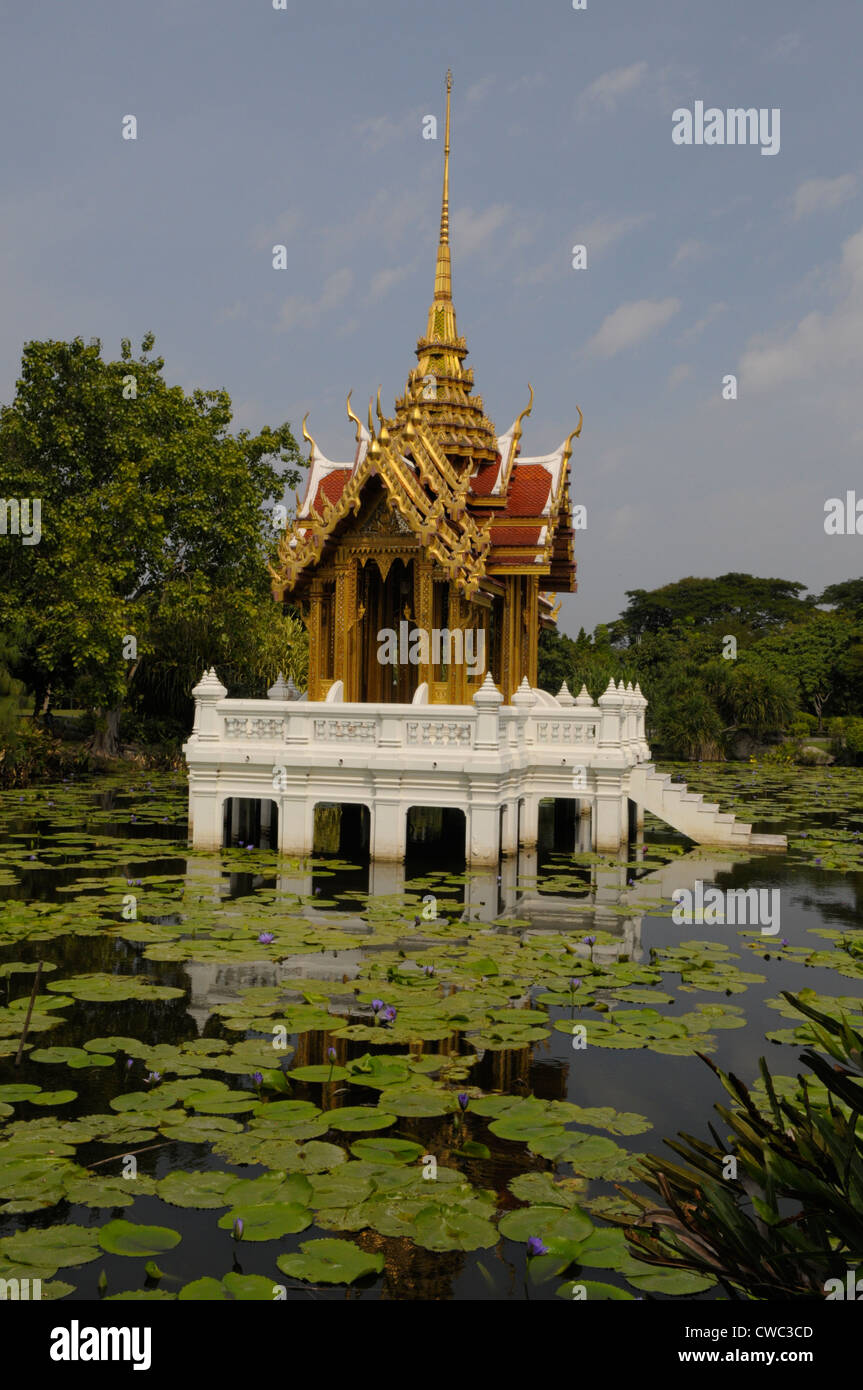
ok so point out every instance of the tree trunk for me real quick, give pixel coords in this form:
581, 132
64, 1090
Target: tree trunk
106, 739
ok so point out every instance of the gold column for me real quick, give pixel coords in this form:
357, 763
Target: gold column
532, 670
316, 656
457, 618
424, 611
345, 616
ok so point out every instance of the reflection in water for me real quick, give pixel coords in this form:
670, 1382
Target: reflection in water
543, 892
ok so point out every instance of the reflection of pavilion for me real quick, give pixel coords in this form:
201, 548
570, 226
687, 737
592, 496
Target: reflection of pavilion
489, 896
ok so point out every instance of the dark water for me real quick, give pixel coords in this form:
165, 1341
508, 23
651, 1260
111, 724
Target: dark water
118, 834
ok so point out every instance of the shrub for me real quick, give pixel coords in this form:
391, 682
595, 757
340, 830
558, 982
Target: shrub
846, 739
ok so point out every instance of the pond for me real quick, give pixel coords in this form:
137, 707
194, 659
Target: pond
248, 1078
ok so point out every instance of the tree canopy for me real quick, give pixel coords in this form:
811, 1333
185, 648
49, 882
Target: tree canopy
152, 519
720, 658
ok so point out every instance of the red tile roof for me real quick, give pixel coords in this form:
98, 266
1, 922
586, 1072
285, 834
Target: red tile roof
484, 479
331, 486
528, 492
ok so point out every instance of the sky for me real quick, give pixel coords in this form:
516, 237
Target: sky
303, 126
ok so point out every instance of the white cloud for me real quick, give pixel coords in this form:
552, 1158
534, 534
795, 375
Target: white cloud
275, 233
297, 311
379, 131
820, 342
823, 195
704, 322
631, 323
237, 310
679, 374
603, 232
541, 272
384, 281
606, 90
387, 217
786, 47
472, 231
477, 91
692, 250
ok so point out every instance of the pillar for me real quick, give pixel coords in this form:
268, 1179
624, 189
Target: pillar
482, 846
584, 832
509, 840
205, 813
389, 829
607, 814
529, 822
296, 825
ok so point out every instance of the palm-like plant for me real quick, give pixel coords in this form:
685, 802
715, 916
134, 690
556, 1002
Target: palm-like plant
781, 1212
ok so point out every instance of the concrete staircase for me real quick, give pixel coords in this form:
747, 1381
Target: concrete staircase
688, 812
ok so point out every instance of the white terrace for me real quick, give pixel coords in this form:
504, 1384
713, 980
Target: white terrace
494, 762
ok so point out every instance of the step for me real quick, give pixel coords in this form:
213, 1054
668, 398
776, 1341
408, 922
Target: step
769, 841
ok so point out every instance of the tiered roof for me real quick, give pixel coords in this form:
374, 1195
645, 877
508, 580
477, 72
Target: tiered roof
474, 503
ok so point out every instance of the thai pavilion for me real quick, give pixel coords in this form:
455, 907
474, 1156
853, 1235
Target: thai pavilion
438, 522
442, 532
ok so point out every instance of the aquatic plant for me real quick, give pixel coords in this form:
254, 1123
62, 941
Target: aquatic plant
781, 1211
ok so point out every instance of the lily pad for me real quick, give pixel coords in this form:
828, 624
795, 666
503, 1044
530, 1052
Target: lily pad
196, 1189
330, 1262
268, 1220
387, 1150
127, 1238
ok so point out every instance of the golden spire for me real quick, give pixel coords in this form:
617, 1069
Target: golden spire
439, 385
443, 271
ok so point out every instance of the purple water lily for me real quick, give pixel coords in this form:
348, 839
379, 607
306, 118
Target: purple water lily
258, 1078
237, 1231
389, 1014
589, 940
463, 1099
377, 1005
266, 938
575, 983
429, 969
536, 1247
331, 1053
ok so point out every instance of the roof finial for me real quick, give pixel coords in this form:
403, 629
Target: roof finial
307, 436
443, 273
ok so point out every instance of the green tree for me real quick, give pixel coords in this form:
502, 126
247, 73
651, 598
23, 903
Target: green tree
152, 517
822, 657
846, 597
11, 695
741, 605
